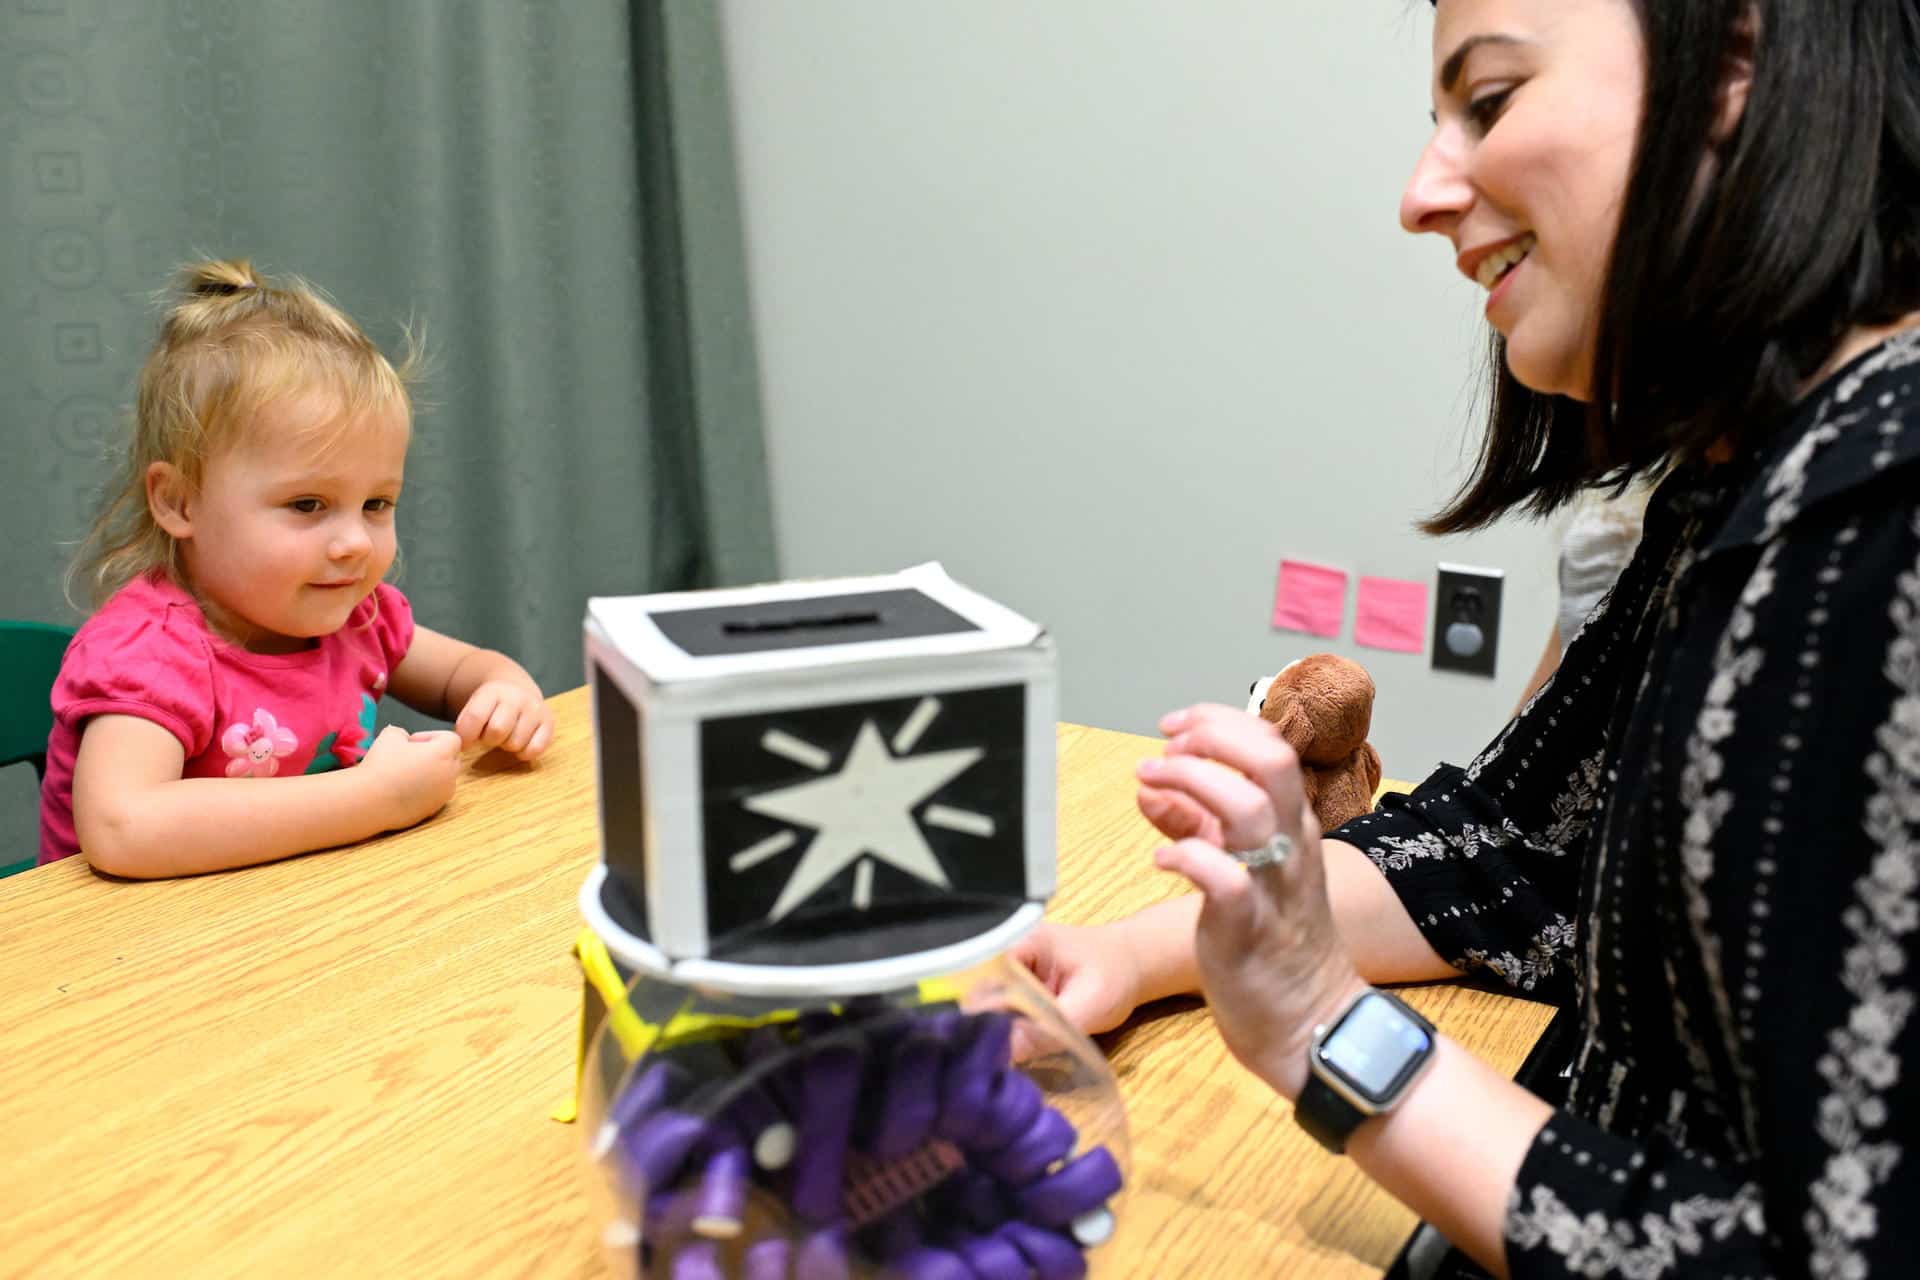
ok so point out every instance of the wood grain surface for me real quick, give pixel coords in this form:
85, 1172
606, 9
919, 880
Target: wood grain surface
343, 1064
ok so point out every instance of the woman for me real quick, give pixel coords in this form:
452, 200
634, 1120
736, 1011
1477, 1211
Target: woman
1704, 835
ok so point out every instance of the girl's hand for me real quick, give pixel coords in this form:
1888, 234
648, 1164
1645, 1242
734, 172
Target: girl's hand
509, 715
1092, 973
1270, 958
413, 773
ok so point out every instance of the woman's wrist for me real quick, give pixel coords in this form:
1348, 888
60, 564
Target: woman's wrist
1451, 1150
1288, 1068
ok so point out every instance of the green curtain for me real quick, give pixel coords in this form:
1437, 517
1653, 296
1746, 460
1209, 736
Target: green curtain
546, 190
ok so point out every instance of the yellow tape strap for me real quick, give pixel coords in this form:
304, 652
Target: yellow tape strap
634, 1033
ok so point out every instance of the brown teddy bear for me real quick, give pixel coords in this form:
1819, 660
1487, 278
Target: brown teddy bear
1323, 705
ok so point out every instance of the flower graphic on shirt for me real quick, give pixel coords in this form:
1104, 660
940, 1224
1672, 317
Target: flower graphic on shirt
256, 748
347, 746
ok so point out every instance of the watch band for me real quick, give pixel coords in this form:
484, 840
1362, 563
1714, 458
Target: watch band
1327, 1116
1326, 1112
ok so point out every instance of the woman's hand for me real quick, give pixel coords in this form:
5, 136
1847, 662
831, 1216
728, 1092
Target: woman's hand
1270, 959
1175, 816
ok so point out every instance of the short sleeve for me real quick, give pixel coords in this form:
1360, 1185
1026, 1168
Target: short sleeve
136, 664
392, 623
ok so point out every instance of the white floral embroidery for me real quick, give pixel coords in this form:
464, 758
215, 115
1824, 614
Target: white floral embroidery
1499, 743
1526, 972
1616, 1076
1573, 808
1789, 479
1595, 1245
1860, 1063
1403, 851
1898, 352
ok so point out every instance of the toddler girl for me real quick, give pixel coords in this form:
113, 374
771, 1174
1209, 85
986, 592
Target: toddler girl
205, 714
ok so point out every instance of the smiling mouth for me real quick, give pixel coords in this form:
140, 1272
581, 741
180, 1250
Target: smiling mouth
1494, 267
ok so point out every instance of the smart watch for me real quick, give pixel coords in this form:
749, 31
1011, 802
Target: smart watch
1361, 1064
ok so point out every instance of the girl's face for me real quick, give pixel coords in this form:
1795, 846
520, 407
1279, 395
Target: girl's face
281, 544
1537, 107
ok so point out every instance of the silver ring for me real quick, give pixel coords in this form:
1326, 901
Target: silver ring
1273, 853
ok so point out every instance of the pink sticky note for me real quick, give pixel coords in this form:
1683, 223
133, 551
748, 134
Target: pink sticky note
1310, 598
1391, 614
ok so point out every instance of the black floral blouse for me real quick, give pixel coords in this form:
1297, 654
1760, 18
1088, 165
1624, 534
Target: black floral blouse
1702, 838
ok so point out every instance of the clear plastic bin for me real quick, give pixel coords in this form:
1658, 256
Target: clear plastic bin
957, 1128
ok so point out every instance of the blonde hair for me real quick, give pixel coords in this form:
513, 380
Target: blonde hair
231, 344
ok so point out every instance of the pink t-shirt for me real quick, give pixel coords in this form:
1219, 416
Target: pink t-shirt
148, 653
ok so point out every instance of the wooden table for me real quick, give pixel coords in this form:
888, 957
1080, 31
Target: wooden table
343, 1064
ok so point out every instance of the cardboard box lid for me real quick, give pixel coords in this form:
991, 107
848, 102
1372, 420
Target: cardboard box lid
793, 626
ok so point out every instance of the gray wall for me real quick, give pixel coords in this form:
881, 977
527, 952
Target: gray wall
1104, 304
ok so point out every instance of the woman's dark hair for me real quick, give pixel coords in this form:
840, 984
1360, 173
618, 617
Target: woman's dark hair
1715, 310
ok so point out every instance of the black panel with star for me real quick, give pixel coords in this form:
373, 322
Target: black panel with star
828, 827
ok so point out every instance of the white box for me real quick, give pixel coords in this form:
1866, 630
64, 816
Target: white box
819, 787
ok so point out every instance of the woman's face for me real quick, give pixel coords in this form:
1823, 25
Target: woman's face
1537, 106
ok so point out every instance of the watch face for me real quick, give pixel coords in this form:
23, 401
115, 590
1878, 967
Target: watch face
1375, 1047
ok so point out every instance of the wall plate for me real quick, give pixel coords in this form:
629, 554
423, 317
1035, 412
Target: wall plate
1466, 619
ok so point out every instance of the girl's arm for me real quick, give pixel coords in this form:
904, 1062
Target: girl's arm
491, 699
137, 817
1100, 975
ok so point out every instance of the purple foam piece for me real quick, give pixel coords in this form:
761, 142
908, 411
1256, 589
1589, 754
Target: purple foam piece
647, 1092
927, 1263
910, 1100
971, 1076
1082, 1184
993, 1041
829, 1091
722, 1196
992, 1258
652, 1154
822, 1256
1026, 1158
1052, 1256
765, 1259
698, 1260
1016, 1103
948, 1026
